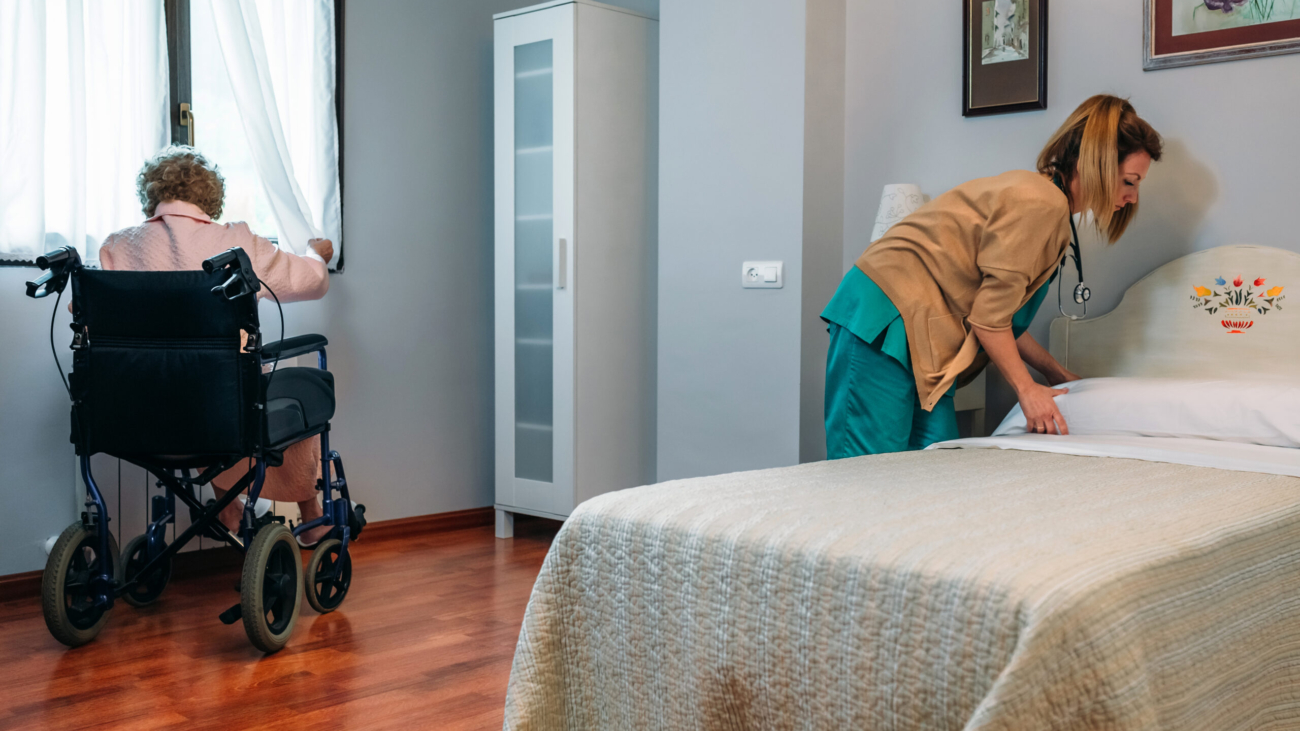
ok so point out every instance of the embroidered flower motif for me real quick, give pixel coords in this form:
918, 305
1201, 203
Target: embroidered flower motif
1238, 301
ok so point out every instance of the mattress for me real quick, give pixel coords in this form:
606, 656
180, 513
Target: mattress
979, 589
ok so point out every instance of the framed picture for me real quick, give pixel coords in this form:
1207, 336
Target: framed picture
1189, 32
1005, 67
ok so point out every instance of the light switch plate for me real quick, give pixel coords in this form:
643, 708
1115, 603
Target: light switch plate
762, 275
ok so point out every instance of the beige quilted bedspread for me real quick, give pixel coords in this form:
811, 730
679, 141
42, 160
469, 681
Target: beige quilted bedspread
953, 589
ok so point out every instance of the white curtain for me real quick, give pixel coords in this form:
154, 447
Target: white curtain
280, 57
83, 103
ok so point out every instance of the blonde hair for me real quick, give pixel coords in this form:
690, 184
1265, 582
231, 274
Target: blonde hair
181, 173
1094, 141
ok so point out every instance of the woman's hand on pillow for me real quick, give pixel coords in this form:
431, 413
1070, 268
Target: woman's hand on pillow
1061, 375
324, 247
1041, 413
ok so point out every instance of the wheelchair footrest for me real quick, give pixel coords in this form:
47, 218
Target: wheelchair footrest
232, 615
358, 520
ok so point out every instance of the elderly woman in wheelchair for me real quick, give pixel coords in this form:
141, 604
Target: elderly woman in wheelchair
170, 373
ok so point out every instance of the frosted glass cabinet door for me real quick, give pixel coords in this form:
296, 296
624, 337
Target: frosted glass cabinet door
534, 253
534, 273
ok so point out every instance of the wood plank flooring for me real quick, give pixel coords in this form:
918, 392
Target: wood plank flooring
424, 640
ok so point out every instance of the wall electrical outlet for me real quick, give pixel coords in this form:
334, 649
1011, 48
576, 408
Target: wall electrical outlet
762, 275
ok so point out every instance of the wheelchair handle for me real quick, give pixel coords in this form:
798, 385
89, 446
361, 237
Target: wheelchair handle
241, 281
60, 263
57, 257
220, 260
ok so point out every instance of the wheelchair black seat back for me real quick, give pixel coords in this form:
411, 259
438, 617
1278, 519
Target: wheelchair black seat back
168, 374
158, 366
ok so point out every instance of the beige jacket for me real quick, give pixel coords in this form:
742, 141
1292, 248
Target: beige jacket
974, 255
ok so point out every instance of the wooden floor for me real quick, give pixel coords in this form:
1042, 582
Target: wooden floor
423, 641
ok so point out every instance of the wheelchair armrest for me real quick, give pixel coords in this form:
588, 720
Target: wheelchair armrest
293, 347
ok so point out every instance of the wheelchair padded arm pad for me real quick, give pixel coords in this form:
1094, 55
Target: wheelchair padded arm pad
293, 347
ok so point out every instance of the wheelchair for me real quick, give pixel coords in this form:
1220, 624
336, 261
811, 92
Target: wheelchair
168, 375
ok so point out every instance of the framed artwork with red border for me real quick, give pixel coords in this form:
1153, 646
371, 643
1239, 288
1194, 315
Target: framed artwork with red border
1190, 32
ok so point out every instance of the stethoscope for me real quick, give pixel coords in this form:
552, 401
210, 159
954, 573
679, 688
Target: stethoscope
1081, 292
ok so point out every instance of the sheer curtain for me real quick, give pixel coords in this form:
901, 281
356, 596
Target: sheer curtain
83, 103
280, 57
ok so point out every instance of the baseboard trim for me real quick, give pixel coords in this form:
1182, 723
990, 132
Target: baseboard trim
28, 583
435, 523
19, 586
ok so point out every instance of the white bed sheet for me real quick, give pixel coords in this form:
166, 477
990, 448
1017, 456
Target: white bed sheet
1174, 450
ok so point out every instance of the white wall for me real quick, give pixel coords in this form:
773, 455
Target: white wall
731, 140
1230, 173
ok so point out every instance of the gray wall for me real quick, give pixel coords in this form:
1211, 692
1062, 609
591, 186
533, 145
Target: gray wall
411, 317
731, 140
823, 210
37, 471
1229, 174
645, 7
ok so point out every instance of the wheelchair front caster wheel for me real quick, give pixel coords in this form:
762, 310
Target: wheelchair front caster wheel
329, 574
67, 595
270, 588
133, 559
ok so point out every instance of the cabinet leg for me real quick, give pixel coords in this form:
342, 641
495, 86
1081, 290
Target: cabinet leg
505, 524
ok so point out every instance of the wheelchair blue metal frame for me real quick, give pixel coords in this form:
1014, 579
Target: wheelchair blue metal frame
207, 515
334, 512
102, 585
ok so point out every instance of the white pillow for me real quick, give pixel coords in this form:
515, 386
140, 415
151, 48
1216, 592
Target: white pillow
1249, 410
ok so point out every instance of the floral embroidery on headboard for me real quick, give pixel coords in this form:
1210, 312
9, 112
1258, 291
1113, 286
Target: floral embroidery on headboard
1239, 303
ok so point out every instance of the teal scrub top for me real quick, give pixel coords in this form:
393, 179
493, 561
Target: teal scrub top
862, 307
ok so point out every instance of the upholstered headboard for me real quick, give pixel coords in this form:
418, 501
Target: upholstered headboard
1218, 313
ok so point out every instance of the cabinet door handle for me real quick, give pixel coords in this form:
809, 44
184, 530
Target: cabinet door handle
562, 268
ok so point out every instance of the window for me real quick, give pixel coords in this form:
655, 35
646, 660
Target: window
89, 90
83, 101
217, 128
260, 81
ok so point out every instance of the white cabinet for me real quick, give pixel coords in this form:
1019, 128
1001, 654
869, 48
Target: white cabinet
576, 185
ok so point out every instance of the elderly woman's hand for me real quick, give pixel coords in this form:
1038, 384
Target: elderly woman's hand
324, 247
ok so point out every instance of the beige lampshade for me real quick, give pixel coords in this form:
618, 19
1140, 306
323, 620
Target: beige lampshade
897, 202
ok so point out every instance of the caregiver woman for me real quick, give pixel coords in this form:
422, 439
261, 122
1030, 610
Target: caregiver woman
966, 273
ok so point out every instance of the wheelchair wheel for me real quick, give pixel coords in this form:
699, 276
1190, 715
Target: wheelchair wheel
270, 587
328, 577
134, 559
66, 598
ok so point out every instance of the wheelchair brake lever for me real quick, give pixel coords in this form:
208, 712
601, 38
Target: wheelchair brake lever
232, 288
40, 288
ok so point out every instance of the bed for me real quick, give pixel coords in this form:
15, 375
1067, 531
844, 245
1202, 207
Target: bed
1013, 582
